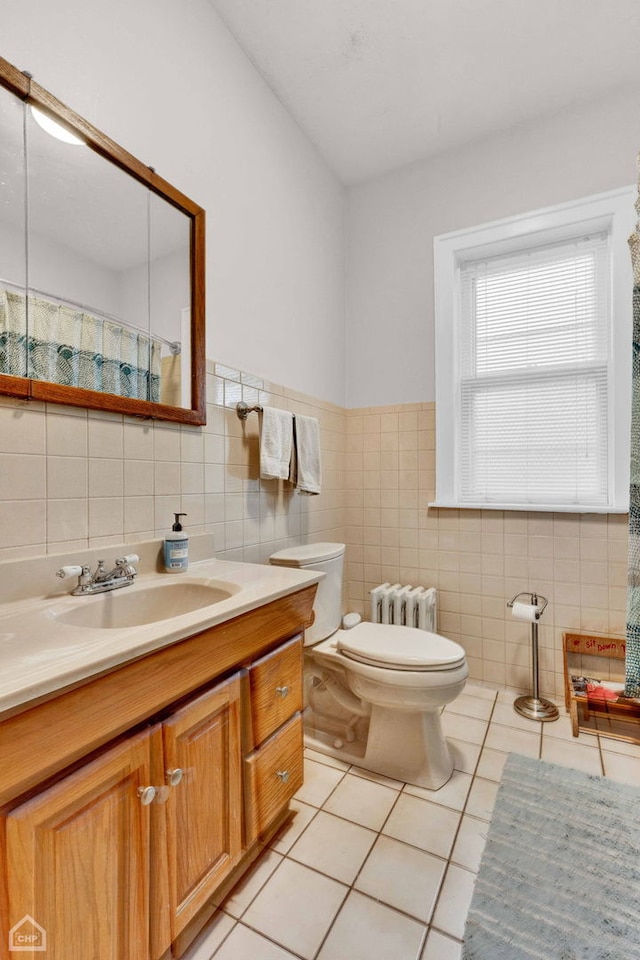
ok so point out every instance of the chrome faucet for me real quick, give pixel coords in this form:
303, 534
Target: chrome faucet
122, 575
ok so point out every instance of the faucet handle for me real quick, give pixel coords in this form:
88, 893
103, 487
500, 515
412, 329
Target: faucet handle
69, 571
130, 558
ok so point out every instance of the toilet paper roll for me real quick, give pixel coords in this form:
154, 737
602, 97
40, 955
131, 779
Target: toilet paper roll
526, 611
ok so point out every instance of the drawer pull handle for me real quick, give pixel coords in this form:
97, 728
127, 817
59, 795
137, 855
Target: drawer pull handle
283, 775
282, 691
147, 795
174, 777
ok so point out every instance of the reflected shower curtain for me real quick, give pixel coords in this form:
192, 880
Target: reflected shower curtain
67, 346
632, 686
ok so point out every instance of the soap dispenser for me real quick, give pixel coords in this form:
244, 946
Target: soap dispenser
176, 547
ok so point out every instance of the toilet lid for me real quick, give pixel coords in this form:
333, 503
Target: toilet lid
400, 648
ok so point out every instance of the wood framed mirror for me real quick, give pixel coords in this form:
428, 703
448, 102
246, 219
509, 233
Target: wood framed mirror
102, 266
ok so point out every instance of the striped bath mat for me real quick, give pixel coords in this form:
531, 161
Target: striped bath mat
560, 874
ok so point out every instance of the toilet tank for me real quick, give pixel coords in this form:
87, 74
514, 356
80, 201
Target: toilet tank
329, 559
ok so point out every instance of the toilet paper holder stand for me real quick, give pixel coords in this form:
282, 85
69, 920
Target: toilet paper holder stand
534, 599
534, 707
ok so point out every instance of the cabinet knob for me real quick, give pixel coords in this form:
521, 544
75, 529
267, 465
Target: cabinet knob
282, 691
147, 795
283, 775
174, 776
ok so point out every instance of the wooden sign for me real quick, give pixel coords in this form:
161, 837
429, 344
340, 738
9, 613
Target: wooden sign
613, 647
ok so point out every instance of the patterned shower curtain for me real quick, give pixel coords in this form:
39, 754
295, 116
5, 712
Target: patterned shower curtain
632, 687
62, 345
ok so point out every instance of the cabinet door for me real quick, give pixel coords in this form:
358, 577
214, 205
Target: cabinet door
78, 861
204, 809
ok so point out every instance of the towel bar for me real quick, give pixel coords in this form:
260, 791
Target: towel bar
243, 409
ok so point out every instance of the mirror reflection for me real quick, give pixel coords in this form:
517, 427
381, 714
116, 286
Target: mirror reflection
96, 270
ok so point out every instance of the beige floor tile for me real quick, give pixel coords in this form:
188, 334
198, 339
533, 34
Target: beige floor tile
509, 739
296, 907
478, 690
439, 947
302, 815
470, 706
464, 755
398, 874
560, 729
453, 905
453, 794
362, 801
621, 768
482, 798
463, 728
334, 846
507, 696
620, 746
319, 781
426, 825
470, 842
376, 777
505, 715
366, 930
204, 947
242, 944
402, 877
326, 759
251, 883
491, 764
577, 756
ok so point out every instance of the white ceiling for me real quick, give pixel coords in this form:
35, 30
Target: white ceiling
376, 84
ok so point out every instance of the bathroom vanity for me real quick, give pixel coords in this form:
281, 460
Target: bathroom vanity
132, 798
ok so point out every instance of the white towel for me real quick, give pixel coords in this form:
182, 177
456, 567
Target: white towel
276, 439
306, 470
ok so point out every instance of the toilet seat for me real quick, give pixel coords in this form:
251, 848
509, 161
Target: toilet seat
400, 648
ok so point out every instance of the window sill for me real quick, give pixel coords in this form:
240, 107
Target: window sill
528, 507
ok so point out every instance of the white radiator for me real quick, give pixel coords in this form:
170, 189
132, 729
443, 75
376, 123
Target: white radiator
405, 606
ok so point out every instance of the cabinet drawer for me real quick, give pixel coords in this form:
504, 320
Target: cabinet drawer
276, 689
273, 774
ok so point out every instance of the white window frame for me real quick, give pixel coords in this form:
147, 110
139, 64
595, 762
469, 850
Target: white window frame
613, 211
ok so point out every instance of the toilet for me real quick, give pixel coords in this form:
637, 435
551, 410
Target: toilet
374, 692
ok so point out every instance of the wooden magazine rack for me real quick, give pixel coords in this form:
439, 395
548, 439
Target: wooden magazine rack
584, 710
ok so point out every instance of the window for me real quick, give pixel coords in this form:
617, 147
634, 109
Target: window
533, 360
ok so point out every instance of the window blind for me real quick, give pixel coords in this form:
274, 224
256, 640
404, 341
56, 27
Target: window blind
533, 354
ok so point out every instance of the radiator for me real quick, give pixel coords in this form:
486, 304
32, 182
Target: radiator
405, 606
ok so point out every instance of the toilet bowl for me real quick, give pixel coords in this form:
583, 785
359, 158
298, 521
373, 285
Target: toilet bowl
379, 687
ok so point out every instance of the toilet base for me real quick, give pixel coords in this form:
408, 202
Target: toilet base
408, 746
381, 752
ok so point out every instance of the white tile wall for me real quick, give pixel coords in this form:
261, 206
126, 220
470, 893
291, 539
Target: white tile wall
477, 559
72, 478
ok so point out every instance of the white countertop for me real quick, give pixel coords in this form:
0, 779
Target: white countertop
40, 654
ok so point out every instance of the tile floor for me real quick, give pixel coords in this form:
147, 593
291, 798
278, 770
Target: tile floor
373, 869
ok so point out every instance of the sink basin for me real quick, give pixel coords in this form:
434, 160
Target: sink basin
135, 607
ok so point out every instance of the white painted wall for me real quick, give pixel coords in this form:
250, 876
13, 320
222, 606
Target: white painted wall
392, 222
58, 269
166, 80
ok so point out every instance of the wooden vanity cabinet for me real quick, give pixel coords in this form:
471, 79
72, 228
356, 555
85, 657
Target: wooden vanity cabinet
122, 854
78, 857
